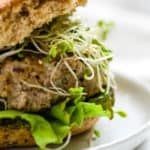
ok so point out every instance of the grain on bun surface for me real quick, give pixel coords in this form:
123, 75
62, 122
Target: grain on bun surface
18, 18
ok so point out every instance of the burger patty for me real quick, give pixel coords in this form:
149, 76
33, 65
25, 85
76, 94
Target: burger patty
18, 18
16, 76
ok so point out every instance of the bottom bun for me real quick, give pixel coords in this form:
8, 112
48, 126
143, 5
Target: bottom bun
21, 137
87, 124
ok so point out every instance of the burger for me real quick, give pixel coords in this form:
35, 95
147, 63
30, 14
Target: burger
55, 80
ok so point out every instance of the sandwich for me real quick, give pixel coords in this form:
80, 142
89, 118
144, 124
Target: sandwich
55, 80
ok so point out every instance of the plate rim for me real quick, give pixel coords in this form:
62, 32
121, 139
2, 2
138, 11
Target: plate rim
140, 130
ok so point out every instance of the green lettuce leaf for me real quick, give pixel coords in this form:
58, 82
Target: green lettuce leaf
77, 94
74, 110
77, 117
58, 112
85, 110
40, 128
92, 110
60, 130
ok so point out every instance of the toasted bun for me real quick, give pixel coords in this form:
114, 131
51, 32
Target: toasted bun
18, 18
21, 137
88, 124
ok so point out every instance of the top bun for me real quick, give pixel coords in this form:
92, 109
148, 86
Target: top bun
18, 18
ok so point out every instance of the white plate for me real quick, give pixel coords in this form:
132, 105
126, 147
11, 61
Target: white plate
121, 134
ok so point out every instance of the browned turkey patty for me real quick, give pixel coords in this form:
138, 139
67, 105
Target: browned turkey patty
18, 18
33, 70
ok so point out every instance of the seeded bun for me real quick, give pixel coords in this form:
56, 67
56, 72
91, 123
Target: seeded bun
21, 136
18, 18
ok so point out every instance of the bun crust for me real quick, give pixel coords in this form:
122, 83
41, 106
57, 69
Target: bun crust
87, 124
18, 18
21, 137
